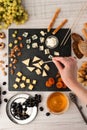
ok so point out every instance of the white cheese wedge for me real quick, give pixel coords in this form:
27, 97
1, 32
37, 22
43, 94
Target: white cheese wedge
46, 67
28, 41
38, 71
41, 48
26, 62
34, 37
30, 68
56, 53
37, 65
35, 45
50, 56
44, 74
36, 58
47, 51
42, 39
43, 33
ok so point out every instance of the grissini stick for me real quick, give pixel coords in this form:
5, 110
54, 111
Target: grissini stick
60, 26
84, 32
53, 20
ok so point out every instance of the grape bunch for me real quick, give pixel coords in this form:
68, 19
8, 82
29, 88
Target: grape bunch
12, 11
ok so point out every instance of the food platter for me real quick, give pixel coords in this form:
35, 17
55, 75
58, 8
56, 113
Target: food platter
31, 45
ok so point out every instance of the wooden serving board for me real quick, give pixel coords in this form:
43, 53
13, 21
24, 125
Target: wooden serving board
30, 53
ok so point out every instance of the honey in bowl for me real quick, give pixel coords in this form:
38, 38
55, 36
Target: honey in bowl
57, 103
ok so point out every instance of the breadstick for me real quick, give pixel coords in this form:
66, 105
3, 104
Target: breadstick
84, 32
53, 20
60, 26
85, 25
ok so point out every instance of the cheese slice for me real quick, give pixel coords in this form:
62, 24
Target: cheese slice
30, 68
47, 67
26, 62
37, 65
41, 62
44, 74
36, 58
38, 71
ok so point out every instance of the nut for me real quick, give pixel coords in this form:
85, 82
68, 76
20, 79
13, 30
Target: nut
2, 45
2, 35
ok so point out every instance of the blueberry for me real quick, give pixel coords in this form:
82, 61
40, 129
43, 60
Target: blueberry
4, 92
4, 83
41, 108
47, 114
5, 100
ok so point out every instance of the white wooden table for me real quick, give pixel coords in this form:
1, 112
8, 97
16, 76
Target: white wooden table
41, 12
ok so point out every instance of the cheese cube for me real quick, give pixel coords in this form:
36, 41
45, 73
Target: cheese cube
47, 51
17, 79
22, 85
38, 71
30, 87
23, 78
34, 82
27, 80
19, 74
47, 67
15, 86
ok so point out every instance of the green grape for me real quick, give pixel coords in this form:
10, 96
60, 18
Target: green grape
12, 11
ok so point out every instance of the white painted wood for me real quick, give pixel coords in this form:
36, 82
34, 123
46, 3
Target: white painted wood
41, 12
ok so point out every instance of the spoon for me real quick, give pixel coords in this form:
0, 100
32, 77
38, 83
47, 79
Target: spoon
74, 100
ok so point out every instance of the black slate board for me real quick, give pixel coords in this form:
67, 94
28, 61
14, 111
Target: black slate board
64, 51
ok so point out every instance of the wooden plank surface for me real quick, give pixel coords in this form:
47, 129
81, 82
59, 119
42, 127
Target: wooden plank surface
41, 12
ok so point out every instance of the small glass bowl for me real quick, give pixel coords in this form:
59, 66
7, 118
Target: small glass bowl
52, 42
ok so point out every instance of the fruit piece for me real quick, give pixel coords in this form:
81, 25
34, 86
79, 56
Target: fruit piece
59, 84
48, 84
51, 81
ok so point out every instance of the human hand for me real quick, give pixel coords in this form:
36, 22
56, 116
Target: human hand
67, 67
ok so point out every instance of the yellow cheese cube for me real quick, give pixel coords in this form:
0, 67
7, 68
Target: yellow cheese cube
22, 85
23, 78
30, 87
27, 80
15, 86
19, 74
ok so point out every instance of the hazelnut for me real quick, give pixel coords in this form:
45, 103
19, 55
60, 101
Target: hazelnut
2, 45
2, 35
